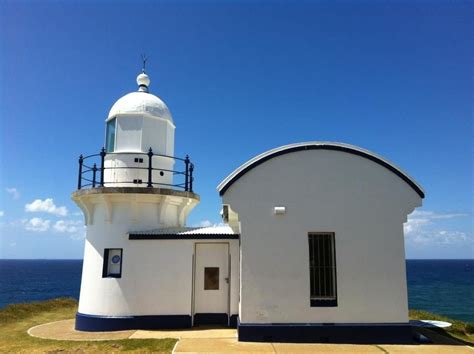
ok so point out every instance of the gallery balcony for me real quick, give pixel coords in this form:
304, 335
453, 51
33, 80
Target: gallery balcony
135, 169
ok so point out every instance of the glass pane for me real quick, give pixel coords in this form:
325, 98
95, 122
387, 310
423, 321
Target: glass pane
110, 136
211, 278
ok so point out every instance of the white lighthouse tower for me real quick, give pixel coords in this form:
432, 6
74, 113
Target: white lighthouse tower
135, 184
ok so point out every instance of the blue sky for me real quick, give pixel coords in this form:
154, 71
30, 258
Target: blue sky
240, 78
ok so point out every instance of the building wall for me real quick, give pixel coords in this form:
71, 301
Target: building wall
118, 174
156, 274
363, 203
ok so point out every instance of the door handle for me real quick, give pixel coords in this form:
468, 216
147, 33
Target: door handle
227, 280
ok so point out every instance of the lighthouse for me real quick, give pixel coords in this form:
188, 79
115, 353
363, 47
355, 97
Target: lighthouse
311, 248
134, 184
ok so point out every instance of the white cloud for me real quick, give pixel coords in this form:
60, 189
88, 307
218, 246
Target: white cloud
2, 213
448, 237
431, 215
204, 223
36, 224
69, 226
74, 228
13, 192
13, 244
46, 206
422, 227
208, 223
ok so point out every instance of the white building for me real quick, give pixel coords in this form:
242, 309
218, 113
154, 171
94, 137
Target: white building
313, 249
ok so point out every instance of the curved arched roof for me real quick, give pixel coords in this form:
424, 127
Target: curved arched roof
317, 145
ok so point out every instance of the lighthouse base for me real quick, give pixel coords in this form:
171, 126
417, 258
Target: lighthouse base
94, 323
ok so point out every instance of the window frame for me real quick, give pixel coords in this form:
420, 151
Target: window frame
109, 122
323, 301
105, 268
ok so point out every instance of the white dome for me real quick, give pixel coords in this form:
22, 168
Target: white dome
141, 102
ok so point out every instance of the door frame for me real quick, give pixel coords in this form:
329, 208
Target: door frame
193, 290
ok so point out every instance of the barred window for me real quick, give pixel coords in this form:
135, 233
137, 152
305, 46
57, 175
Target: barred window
322, 269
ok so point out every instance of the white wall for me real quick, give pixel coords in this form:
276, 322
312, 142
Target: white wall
116, 173
156, 277
156, 274
363, 203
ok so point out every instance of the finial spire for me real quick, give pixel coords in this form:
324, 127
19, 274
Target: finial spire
144, 60
143, 80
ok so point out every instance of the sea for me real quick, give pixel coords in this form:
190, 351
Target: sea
444, 287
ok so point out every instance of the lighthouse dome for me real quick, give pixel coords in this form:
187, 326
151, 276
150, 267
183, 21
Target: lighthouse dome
141, 102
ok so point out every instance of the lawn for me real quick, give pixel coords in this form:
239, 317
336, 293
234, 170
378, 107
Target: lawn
459, 329
15, 320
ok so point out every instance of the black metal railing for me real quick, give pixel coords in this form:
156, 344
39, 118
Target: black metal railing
92, 168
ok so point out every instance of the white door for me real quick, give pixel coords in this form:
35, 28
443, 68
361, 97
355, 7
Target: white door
211, 280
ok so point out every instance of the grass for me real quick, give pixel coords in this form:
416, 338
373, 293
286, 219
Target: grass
459, 329
15, 320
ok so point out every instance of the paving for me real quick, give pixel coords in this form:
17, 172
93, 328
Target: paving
197, 332
64, 330
231, 345
224, 340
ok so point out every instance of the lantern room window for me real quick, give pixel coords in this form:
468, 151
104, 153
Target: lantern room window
110, 136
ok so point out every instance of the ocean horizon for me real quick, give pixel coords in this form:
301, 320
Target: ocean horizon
441, 286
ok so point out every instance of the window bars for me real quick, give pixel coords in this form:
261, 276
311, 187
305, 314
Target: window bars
322, 267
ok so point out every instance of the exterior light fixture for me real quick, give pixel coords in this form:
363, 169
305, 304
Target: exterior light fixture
279, 210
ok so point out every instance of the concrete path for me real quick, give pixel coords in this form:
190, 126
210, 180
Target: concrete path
224, 340
231, 345
197, 332
64, 330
